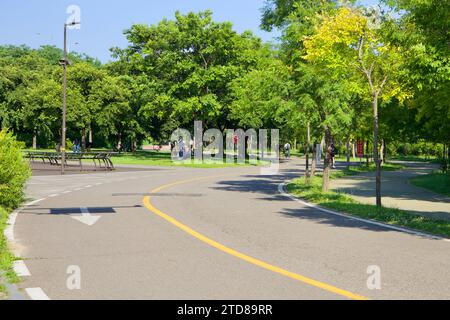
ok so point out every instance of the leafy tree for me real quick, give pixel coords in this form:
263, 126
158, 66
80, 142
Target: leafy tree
263, 98
422, 33
187, 65
349, 43
286, 13
82, 78
111, 100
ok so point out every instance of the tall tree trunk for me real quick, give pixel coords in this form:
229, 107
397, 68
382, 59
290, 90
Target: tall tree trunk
348, 151
353, 150
83, 139
308, 143
375, 150
90, 136
34, 139
314, 162
119, 142
327, 164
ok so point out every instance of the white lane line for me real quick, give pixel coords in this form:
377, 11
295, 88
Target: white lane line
66, 192
9, 230
78, 189
89, 186
281, 190
21, 269
53, 195
36, 294
32, 203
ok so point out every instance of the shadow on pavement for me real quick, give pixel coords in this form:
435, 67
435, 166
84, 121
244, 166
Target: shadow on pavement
267, 186
69, 211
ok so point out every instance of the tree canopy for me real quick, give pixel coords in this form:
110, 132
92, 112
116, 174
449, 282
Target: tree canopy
333, 59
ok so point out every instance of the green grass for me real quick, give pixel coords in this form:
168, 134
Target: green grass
416, 158
437, 182
353, 170
6, 257
342, 202
159, 159
150, 158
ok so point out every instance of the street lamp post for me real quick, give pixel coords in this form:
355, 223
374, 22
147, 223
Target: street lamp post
64, 62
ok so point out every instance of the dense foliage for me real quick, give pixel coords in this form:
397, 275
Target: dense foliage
333, 60
14, 171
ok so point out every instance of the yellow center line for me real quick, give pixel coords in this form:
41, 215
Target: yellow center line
148, 204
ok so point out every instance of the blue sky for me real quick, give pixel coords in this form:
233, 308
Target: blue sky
39, 22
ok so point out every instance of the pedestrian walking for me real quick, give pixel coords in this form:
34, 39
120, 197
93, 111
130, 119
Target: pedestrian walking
331, 154
287, 151
181, 148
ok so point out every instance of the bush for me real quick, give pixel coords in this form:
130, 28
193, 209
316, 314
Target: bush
14, 171
421, 148
444, 164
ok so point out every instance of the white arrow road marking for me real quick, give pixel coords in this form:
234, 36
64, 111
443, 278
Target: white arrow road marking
86, 217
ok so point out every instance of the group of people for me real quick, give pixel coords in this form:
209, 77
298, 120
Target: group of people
331, 153
76, 148
184, 152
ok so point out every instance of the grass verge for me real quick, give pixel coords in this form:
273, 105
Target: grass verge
161, 159
425, 159
355, 170
437, 182
6, 257
149, 158
344, 203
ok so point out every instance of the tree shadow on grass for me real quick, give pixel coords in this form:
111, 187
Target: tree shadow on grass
416, 223
267, 187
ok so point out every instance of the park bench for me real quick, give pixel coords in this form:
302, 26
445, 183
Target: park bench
100, 159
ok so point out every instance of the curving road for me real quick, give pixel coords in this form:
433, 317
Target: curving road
227, 233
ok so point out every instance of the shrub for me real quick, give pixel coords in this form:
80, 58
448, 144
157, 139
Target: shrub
444, 164
14, 171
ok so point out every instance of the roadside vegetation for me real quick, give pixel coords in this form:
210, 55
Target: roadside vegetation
150, 158
412, 158
342, 202
437, 182
14, 172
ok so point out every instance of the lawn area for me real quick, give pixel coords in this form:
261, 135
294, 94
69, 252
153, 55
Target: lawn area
6, 257
344, 203
353, 170
415, 159
150, 158
437, 182
154, 158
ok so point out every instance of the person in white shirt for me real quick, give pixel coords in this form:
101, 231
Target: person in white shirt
287, 150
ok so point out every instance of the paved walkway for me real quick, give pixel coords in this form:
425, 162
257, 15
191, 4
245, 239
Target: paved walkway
397, 191
131, 251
